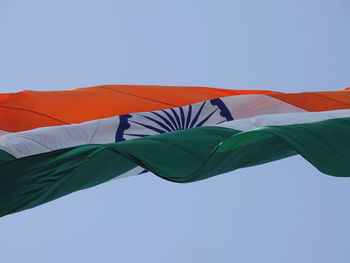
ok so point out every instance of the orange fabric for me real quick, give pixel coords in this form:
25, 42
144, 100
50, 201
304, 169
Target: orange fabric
27, 110
317, 101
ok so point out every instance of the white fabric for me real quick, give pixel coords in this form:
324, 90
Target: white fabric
245, 106
283, 119
3, 132
103, 131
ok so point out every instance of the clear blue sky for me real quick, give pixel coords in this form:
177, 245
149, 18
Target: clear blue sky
284, 211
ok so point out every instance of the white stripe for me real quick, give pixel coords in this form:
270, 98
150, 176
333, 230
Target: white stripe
245, 106
3, 132
103, 131
283, 119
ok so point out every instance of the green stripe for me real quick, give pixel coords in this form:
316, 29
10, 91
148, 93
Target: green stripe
5, 157
181, 156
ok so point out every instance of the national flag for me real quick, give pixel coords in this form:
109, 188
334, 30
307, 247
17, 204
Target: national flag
188, 135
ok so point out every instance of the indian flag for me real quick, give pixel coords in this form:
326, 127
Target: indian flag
56, 142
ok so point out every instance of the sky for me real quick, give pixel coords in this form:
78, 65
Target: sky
285, 211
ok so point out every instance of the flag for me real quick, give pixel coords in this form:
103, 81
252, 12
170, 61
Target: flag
55, 143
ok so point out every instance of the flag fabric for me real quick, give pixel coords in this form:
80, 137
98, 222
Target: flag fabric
27, 110
55, 143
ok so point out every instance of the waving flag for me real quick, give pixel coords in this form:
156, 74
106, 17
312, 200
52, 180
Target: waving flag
57, 142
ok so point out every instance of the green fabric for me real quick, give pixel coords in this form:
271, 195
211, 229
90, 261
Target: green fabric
5, 157
181, 156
